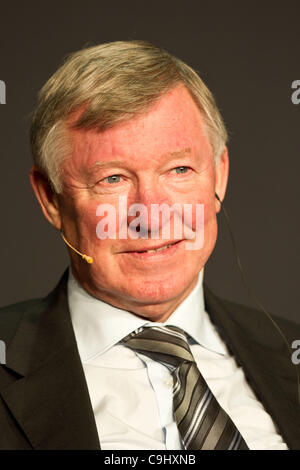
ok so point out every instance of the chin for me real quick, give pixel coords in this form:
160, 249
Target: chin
157, 291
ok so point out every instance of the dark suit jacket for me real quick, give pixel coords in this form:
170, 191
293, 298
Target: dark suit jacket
44, 399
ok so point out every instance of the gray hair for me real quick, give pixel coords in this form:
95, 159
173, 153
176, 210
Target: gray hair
111, 83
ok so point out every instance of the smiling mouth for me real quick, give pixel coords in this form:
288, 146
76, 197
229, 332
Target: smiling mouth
155, 250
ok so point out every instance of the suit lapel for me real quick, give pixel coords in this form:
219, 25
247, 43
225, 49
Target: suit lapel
46, 391
50, 398
258, 349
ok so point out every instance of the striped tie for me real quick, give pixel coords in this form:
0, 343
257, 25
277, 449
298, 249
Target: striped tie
202, 423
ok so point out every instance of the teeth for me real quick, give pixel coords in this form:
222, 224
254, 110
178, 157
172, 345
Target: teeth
158, 249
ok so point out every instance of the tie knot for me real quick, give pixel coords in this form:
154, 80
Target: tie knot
166, 344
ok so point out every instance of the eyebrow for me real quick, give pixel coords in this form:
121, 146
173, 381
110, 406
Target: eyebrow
172, 156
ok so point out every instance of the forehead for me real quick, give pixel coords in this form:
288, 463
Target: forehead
170, 127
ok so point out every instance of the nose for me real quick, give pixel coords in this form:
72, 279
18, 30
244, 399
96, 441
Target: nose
142, 216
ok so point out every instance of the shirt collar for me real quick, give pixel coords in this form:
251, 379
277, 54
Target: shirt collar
98, 325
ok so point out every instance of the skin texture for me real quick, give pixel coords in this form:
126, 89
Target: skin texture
145, 151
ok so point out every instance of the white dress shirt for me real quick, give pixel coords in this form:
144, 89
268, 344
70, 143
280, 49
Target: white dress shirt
131, 394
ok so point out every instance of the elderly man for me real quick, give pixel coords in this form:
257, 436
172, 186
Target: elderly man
131, 350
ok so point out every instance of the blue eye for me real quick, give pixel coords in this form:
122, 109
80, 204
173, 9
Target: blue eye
113, 179
181, 169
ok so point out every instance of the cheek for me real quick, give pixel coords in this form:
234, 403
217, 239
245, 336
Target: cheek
209, 212
199, 200
84, 220
201, 212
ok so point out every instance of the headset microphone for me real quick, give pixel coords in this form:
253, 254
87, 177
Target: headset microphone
251, 293
87, 258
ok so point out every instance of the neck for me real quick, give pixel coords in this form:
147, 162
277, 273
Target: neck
156, 312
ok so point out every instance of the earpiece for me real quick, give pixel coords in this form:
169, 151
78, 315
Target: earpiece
218, 198
87, 258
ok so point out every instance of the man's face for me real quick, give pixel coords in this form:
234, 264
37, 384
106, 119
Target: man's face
162, 156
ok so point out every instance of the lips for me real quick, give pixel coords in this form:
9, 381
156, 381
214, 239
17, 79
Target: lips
155, 254
154, 249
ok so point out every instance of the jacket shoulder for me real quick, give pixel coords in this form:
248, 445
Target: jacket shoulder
11, 315
263, 319
31, 310
258, 323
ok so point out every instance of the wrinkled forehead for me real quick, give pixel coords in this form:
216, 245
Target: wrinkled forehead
172, 127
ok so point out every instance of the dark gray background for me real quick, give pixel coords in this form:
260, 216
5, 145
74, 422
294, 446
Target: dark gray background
247, 53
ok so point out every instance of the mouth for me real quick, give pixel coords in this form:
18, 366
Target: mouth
155, 251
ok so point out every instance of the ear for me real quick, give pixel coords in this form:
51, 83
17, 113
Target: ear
221, 177
46, 196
